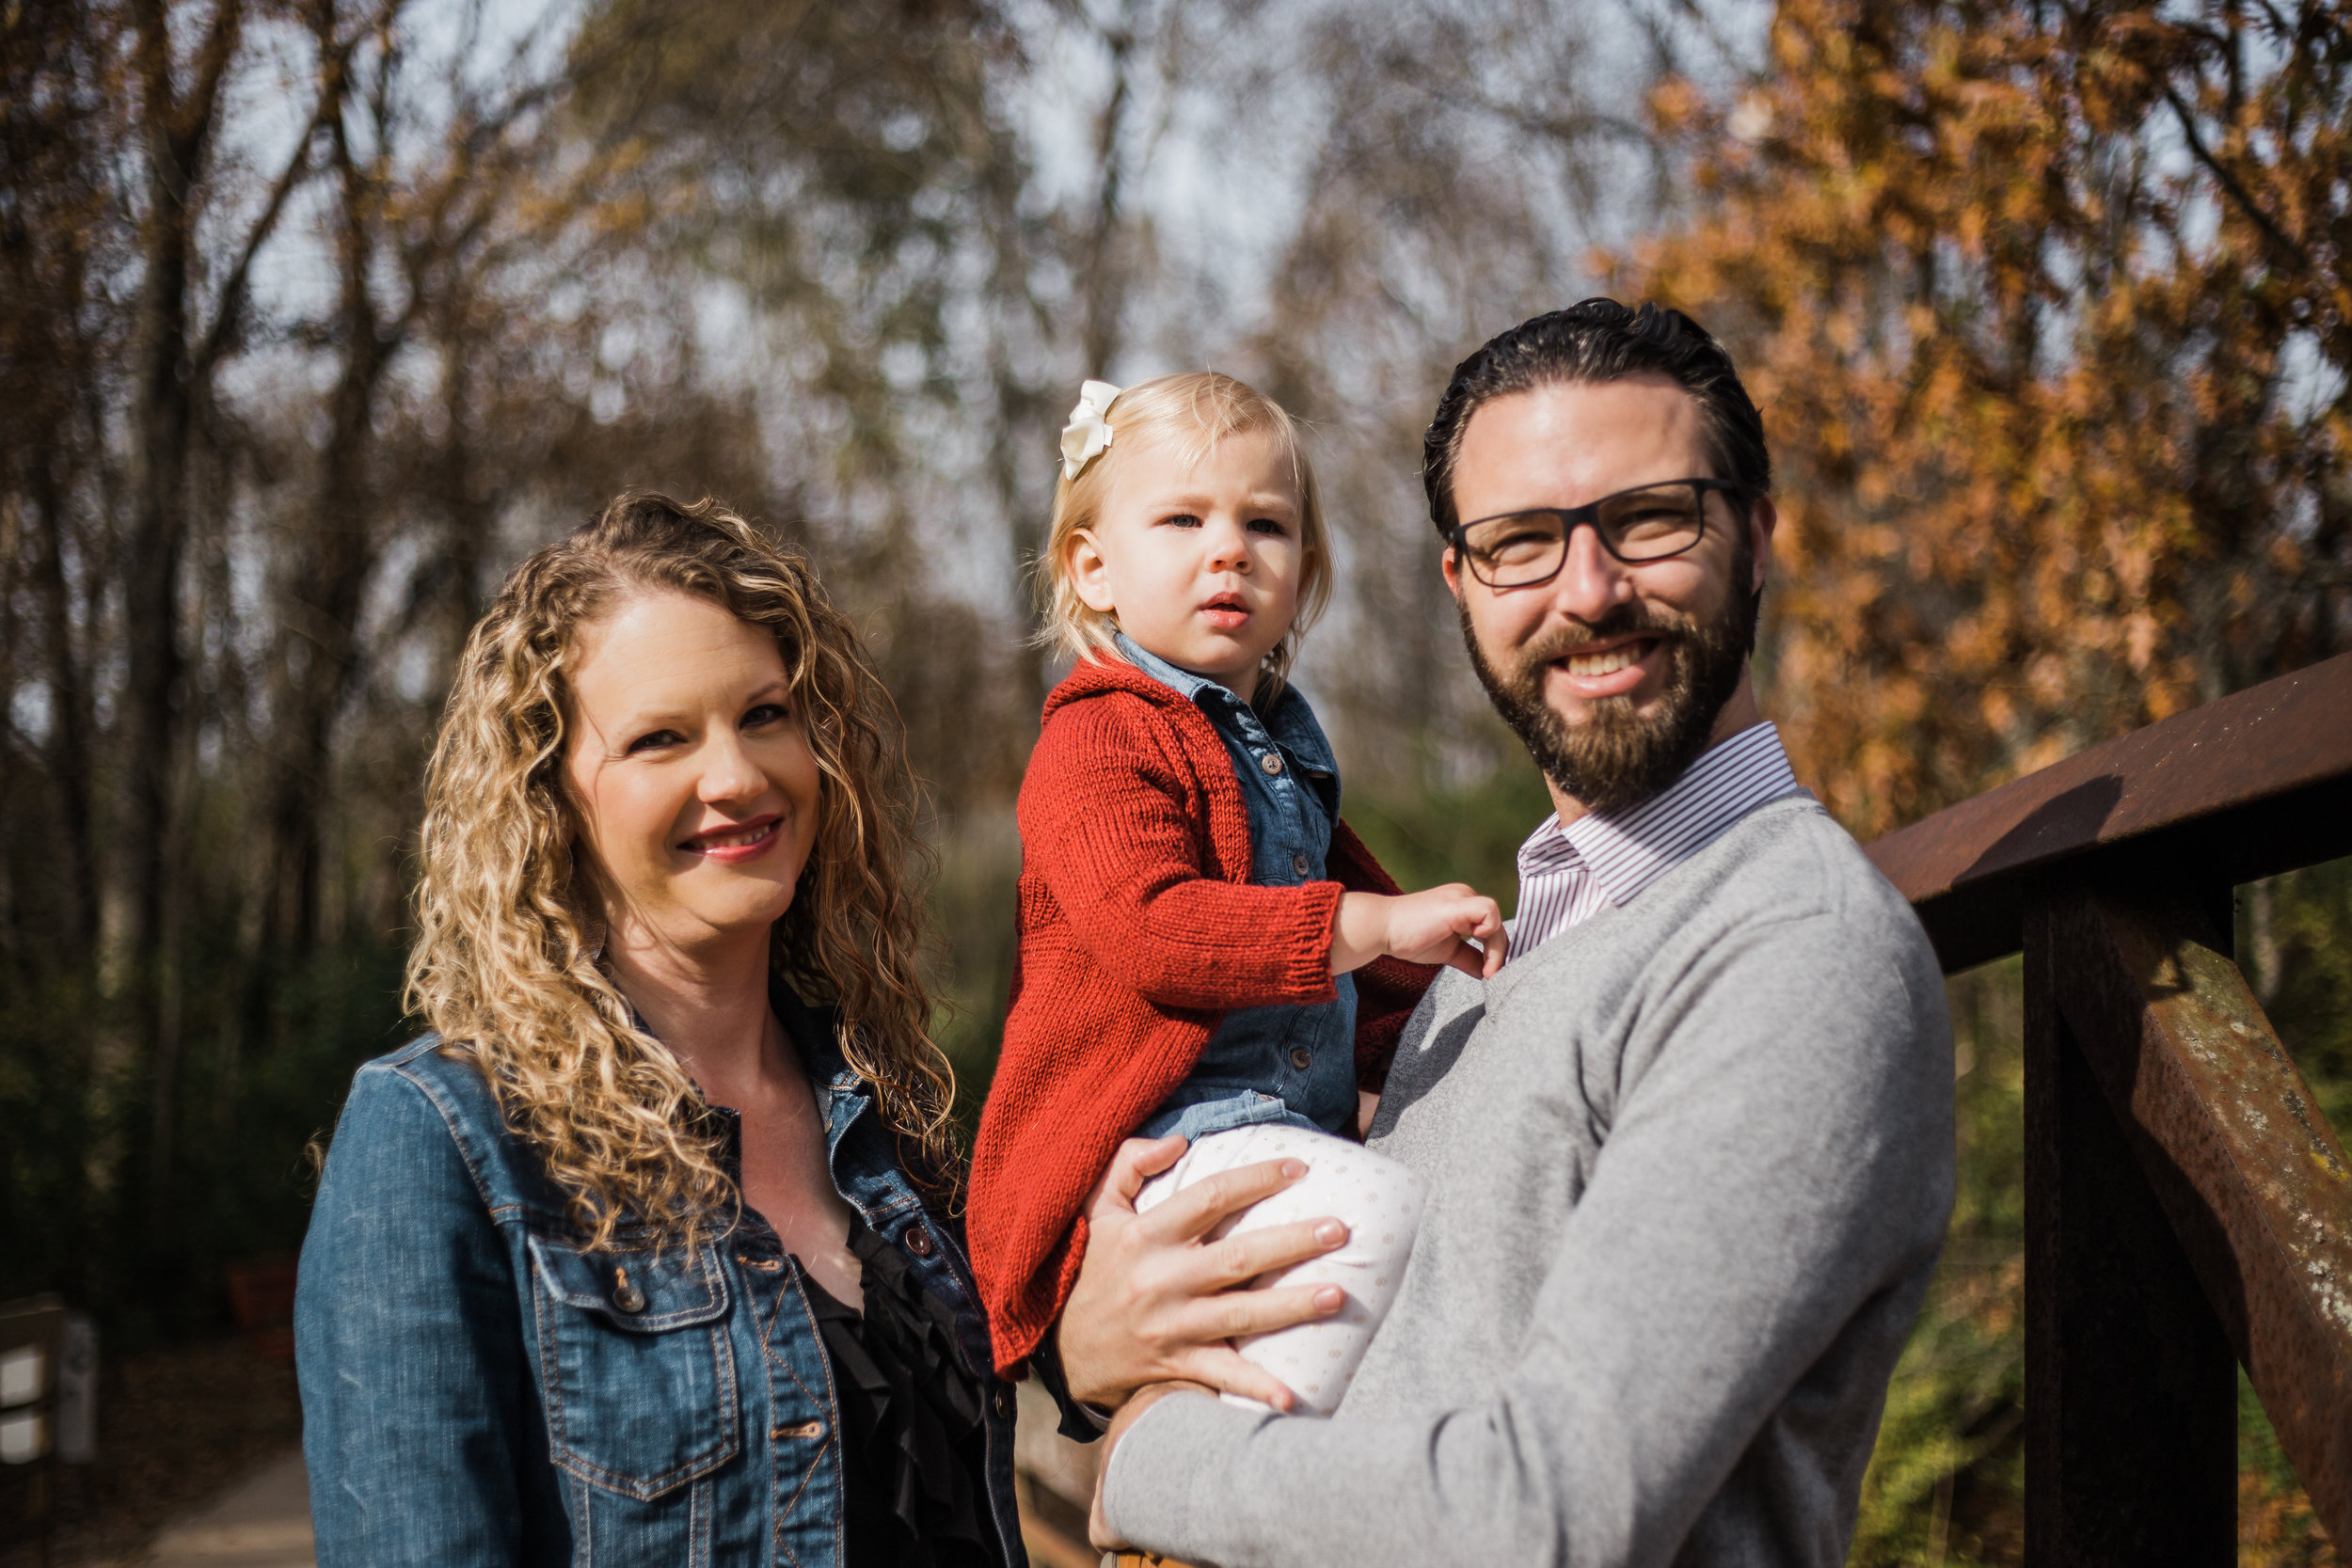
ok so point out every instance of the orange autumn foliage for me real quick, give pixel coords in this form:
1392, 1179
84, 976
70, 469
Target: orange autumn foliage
2047, 310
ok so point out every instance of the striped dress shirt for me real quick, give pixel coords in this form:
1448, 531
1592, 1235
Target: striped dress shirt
1603, 860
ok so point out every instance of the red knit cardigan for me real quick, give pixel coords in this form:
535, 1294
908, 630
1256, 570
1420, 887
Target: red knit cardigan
1139, 930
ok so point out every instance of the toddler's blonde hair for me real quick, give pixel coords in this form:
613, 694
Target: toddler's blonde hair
1198, 408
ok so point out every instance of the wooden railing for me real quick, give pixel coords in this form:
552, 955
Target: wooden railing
2187, 1205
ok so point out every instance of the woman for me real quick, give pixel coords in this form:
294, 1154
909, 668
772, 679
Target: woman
639, 1256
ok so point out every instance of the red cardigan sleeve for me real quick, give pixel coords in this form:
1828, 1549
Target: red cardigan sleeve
1105, 825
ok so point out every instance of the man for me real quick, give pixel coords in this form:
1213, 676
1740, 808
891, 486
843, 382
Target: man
1689, 1153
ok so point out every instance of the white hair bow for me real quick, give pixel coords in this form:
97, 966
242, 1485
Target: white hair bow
1088, 432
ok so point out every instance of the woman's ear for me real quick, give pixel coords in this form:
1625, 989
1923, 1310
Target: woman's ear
1089, 572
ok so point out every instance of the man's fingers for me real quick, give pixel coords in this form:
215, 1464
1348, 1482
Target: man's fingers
1138, 1161
1243, 1314
1234, 1261
1222, 1368
1200, 1208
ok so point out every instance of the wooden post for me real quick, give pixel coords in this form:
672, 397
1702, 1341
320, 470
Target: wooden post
2130, 1387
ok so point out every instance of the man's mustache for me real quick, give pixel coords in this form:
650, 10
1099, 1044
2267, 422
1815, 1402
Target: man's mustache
1625, 620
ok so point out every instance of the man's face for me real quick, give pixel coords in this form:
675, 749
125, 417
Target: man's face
1615, 677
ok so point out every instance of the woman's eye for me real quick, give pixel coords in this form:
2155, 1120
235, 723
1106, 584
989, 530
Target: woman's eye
767, 713
652, 741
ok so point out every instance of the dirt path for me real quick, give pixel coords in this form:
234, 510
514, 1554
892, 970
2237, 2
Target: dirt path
263, 1522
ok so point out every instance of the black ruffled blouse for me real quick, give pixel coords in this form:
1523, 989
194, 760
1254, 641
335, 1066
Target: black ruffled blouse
914, 1448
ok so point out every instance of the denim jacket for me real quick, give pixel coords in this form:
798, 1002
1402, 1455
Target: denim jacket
1285, 1063
478, 1389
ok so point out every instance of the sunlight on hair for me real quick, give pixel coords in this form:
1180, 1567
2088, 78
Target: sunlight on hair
506, 963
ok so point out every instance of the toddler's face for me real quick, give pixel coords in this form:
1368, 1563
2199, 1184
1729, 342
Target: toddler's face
1201, 562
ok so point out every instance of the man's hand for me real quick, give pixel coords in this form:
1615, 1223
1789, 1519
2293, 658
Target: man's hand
1098, 1526
1436, 926
1159, 1300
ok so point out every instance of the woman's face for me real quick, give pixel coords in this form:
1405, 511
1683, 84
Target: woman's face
695, 786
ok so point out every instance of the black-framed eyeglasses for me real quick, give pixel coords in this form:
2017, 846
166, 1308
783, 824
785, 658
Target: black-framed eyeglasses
1649, 522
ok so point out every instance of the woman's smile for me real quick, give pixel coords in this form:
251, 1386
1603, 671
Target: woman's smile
733, 844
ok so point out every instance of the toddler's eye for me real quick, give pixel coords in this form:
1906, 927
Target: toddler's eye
1274, 527
1182, 519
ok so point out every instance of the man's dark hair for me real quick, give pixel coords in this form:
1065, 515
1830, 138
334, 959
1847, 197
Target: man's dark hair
1600, 341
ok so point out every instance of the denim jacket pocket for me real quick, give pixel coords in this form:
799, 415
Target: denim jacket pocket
636, 1365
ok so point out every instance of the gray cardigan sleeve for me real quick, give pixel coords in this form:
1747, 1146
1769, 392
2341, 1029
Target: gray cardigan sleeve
1776, 1180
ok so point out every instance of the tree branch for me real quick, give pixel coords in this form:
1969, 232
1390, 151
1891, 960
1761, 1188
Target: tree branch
334, 80
220, 47
2237, 193
232, 291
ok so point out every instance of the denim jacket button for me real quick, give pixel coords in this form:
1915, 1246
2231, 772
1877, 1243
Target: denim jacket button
1301, 1057
625, 1295
1299, 864
919, 1240
1003, 1404
1269, 765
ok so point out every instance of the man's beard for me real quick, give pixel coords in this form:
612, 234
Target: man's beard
1618, 758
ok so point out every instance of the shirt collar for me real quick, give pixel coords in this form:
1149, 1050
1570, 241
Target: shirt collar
1172, 675
1290, 723
1628, 849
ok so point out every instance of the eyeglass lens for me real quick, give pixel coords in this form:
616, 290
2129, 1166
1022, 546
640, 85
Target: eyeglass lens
1634, 525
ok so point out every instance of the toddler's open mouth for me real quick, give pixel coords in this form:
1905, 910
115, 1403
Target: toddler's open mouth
1226, 611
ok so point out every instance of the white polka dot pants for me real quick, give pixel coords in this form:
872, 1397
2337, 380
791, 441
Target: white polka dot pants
1376, 1197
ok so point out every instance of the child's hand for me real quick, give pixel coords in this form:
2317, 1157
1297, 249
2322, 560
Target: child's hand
1437, 926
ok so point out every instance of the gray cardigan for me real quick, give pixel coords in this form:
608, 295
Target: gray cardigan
1690, 1165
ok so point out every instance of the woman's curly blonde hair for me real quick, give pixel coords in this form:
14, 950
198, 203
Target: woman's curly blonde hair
506, 963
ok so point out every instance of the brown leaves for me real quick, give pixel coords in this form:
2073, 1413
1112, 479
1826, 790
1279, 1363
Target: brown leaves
2059, 405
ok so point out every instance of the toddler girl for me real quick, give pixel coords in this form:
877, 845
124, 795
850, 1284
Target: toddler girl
1206, 949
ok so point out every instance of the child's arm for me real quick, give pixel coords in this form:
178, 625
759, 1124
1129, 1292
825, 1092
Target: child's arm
1103, 824
1436, 926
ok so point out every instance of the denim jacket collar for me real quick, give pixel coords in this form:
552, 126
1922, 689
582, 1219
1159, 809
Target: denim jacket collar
840, 1096
1290, 723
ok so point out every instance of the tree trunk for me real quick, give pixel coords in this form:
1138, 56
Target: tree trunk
165, 387
157, 533
68, 761
329, 575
